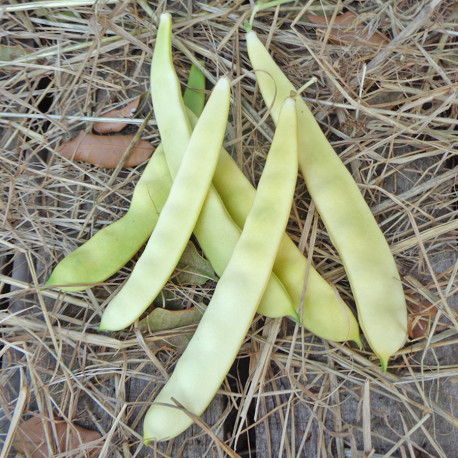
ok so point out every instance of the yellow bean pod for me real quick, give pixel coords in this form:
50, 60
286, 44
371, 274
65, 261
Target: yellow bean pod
178, 217
365, 254
215, 230
204, 364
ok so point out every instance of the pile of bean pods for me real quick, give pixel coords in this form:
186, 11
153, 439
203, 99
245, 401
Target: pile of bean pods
192, 185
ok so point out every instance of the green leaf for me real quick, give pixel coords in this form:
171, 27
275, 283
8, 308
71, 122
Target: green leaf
9, 53
162, 319
192, 268
194, 95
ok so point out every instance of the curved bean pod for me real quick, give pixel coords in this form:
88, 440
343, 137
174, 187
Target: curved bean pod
365, 254
109, 249
215, 230
204, 364
178, 217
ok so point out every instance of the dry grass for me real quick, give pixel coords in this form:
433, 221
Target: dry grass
391, 114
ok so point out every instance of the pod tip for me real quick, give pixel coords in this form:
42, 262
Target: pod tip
105, 325
66, 286
112, 323
357, 340
384, 358
290, 102
224, 80
295, 316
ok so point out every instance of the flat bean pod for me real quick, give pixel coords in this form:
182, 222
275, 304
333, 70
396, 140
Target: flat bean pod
365, 254
215, 230
178, 217
204, 364
323, 312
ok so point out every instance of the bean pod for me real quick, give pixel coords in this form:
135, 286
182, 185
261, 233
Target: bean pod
365, 254
215, 230
112, 247
178, 217
222, 329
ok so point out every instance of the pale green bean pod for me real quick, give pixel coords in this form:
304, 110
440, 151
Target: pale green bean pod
113, 246
178, 216
204, 364
365, 254
110, 248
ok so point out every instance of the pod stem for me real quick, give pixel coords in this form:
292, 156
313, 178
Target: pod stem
307, 84
297, 93
260, 5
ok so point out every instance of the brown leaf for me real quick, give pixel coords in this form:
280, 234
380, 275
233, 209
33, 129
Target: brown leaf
346, 29
105, 151
420, 319
109, 127
31, 438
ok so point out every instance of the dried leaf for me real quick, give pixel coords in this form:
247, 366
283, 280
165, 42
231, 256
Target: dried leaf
347, 29
192, 268
105, 151
168, 322
162, 319
420, 319
174, 339
108, 127
31, 438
